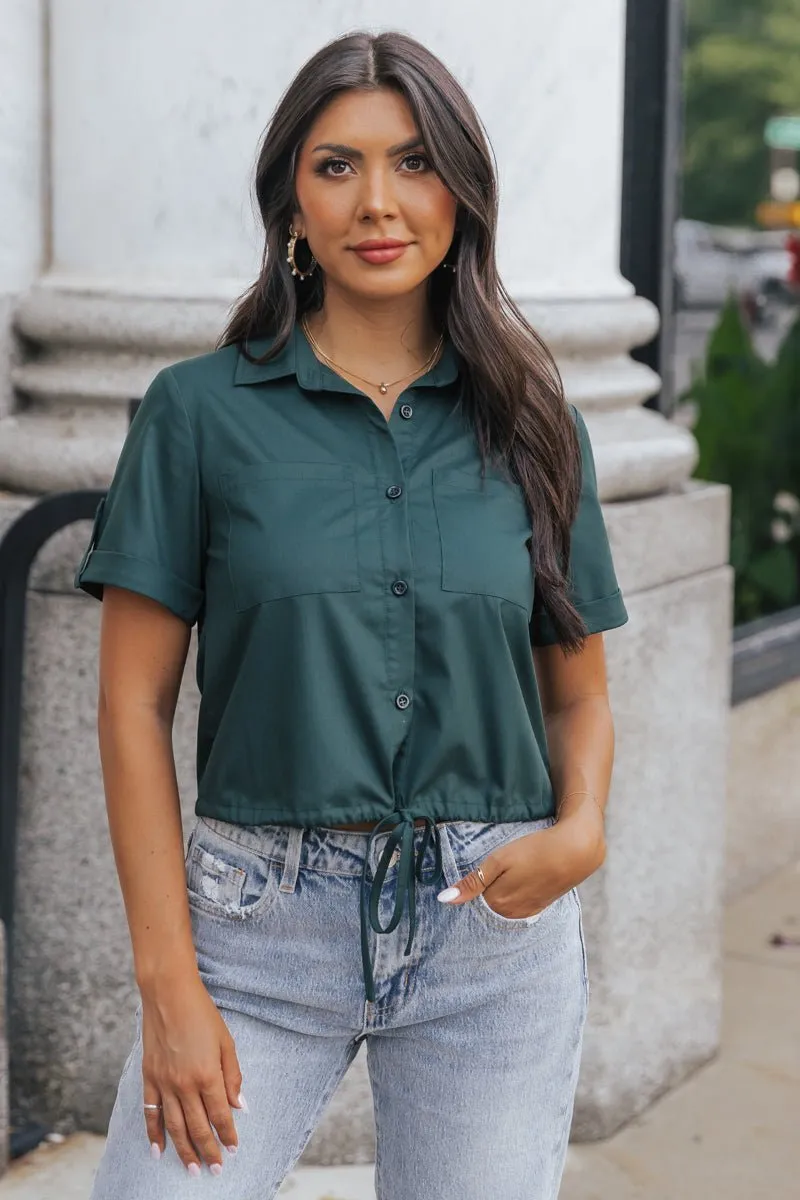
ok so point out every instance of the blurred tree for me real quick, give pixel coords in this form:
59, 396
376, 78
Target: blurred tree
747, 425
742, 65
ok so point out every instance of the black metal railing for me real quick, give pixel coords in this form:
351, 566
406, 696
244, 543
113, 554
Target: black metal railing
19, 547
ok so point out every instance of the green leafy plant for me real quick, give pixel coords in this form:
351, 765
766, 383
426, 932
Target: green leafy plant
748, 431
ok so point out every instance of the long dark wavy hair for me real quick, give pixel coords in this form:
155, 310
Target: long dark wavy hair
512, 394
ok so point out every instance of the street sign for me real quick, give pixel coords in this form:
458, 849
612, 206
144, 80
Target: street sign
783, 133
772, 215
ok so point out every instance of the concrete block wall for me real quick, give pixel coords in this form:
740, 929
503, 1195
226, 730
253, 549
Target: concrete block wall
73, 993
653, 913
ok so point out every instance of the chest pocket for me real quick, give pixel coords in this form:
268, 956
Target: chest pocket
483, 528
292, 531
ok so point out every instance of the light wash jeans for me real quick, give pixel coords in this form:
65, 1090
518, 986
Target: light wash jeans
473, 1042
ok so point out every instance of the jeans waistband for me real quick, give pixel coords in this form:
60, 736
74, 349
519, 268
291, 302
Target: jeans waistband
342, 852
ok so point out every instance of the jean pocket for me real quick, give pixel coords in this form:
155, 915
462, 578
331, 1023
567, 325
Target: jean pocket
484, 904
472, 841
501, 834
225, 879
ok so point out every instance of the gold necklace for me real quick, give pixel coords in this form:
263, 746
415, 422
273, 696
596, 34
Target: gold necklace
382, 387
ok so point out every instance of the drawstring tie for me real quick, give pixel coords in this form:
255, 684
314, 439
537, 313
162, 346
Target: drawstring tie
407, 869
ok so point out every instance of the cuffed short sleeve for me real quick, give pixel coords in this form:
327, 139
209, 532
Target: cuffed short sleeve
148, 534
593, 587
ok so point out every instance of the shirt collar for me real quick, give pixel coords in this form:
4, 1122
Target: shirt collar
298, 359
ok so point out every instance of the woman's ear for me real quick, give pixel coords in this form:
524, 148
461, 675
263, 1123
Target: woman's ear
296, 220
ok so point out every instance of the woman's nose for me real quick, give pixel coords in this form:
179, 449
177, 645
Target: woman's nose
377, 195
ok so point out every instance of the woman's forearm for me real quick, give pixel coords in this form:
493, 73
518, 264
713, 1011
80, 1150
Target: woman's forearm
147, 839
580, 742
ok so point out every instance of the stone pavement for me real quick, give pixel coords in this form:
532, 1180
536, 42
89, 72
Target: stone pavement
732, 1130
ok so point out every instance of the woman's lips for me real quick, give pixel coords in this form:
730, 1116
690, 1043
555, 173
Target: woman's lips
383, 254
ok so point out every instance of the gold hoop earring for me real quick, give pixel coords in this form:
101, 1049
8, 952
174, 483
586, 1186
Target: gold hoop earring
291, 259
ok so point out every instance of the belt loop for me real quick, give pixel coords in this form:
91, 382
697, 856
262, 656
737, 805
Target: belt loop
450, 868
292, 864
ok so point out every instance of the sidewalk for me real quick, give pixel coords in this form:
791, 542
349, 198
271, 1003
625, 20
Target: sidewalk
732, 1130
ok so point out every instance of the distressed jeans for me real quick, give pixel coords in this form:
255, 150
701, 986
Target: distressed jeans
472, 1044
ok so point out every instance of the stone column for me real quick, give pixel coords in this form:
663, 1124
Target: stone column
151, 242
164, 174
22, 198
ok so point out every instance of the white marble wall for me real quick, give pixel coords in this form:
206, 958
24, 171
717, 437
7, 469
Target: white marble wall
23, 202
166, 176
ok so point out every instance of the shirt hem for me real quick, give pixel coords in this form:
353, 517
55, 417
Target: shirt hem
522, 810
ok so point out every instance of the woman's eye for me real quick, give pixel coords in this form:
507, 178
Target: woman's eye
331, 166
417, 162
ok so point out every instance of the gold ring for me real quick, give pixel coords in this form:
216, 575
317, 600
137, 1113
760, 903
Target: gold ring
480, 875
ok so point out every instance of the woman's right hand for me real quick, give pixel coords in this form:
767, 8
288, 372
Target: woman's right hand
190, 1067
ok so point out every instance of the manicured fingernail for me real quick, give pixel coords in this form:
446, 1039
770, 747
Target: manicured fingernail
155, 1150
448, 894
232, 1149
216, 1168
193, 1169
243, 1105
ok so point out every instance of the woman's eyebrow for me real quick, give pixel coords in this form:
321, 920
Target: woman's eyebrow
352, 152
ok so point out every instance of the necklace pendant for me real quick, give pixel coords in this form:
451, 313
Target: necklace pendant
383, 389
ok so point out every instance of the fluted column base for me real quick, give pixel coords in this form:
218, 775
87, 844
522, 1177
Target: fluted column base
91, 352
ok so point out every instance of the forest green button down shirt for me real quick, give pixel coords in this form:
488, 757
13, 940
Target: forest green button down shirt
364, 601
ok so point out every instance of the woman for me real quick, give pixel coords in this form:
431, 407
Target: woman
376, 504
